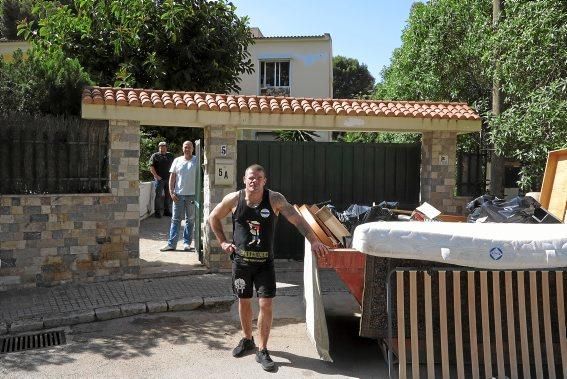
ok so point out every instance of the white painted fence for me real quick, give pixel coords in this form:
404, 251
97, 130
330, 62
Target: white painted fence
147, 197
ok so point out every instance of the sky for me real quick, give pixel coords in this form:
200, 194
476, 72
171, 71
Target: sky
368, 30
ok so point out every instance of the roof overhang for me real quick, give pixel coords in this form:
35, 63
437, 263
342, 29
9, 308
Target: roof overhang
194, 109
267, 121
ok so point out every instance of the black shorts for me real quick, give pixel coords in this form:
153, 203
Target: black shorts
246, 276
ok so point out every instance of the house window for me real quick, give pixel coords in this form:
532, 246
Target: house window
274, 78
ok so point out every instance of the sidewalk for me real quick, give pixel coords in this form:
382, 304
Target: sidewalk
38, 308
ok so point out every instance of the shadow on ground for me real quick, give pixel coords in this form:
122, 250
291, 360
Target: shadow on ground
136, 337
130, 338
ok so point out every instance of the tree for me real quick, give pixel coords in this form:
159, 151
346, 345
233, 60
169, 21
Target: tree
441, 59
443, 55
449, 51
38, 85
532, 68
381, 137
12, 12
351, 79
195, 45
295, 135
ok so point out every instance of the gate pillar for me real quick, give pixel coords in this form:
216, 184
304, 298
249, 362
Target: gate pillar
438, 172
220, 143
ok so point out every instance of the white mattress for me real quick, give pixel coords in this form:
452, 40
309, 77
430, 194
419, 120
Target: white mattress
484, 245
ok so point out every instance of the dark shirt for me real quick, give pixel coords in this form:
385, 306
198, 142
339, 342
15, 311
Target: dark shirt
162, 163
254, 230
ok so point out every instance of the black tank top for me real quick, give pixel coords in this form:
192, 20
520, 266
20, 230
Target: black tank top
254, 229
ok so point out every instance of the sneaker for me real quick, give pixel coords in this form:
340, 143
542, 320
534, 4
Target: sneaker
187, 247
167, 248
244, 345
263, 358
157, 215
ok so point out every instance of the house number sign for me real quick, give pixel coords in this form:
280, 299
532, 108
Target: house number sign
224, 172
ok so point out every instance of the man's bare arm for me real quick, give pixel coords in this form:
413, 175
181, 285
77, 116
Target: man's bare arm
222, 210
280, 204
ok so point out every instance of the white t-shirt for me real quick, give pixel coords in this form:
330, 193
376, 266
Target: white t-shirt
185, 171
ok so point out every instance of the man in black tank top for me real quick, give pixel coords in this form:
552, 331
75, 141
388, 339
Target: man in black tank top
254, 213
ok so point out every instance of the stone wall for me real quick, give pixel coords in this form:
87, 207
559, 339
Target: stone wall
438, 176
216, 136
53, 239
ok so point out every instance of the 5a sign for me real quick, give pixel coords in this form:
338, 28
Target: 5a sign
224, 172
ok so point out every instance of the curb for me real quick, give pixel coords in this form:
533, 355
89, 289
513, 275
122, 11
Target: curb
112, 312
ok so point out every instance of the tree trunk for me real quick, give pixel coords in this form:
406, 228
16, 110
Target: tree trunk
496, 161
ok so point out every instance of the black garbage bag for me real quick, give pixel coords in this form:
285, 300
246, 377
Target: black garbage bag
353, 216
476, 203
378, 213
389, 204
356, 215
521, 209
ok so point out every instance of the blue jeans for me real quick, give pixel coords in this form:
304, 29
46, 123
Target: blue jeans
184, 206
162, 200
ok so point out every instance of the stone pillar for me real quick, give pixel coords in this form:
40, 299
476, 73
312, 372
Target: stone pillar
124, 230
215, 136
438, 178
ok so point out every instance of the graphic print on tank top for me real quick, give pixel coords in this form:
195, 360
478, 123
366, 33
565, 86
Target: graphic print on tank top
255, 232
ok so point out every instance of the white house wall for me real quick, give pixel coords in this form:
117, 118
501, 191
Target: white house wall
310, 69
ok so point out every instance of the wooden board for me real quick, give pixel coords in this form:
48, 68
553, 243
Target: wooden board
554, 187
304, 211
314, 209
334, 225
451, 218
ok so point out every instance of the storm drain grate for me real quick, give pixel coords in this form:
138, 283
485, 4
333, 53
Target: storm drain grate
31, 341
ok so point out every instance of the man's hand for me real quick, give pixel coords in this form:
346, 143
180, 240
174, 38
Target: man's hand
228, 248
157, 178
173, 196
319, 249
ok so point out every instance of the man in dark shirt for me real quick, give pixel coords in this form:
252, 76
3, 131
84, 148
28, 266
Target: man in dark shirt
160, 163
254, 212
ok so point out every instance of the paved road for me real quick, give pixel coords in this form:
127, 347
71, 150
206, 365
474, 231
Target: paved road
181, 343
198, 343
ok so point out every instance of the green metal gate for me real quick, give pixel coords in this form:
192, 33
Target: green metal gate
344, 173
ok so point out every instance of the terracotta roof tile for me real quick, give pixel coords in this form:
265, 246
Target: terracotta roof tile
322, 36
268, 104
252, 105
296, 107
274, 106
231, 102
286, 107
264, 108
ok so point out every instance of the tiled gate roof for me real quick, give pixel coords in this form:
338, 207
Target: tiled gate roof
129, 97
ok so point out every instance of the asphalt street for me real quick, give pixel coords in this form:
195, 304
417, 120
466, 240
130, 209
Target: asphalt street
198, 344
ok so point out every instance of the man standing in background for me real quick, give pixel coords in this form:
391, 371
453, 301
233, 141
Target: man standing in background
182, 190
160, 164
